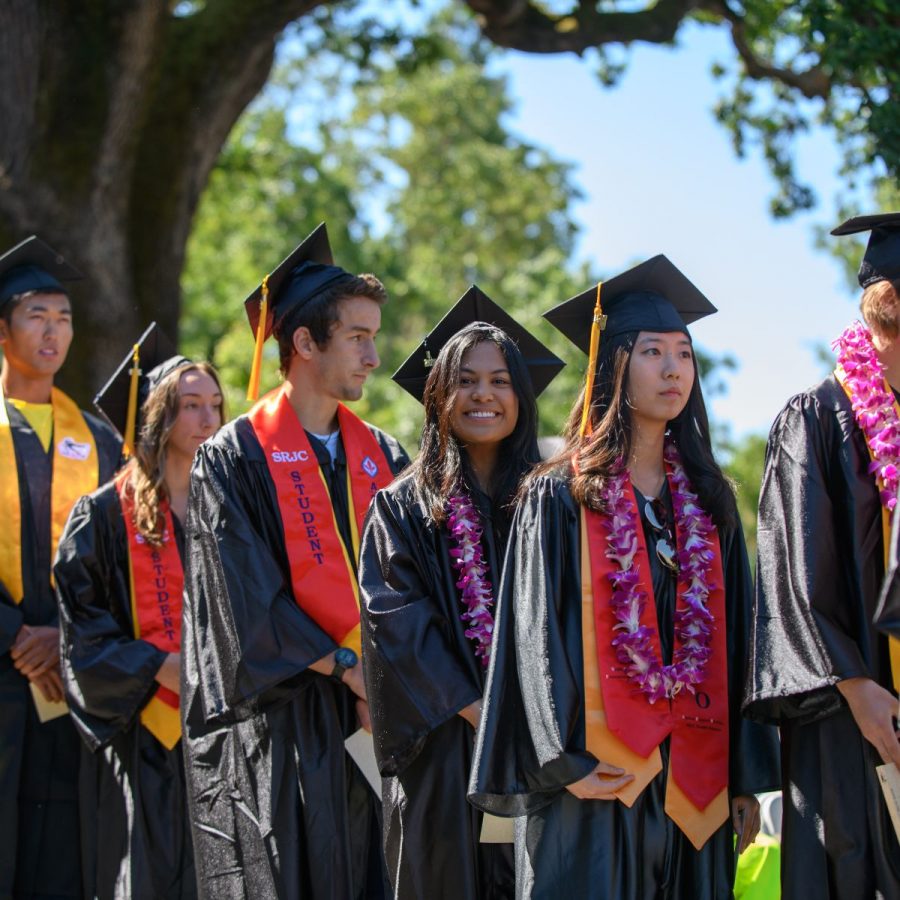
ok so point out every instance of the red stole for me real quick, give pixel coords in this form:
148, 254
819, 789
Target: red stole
157, 584
323, 577
697, 723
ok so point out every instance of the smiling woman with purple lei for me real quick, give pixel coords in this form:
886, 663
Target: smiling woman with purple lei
429, 571
612, 710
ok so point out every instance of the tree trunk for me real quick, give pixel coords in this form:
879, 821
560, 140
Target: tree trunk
113, 116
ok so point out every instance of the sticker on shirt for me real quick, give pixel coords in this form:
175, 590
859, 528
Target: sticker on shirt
72, 449
370, 467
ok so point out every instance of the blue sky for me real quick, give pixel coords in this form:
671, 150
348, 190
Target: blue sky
660, 176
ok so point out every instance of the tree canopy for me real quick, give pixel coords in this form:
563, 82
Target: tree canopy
115, 113
494, 210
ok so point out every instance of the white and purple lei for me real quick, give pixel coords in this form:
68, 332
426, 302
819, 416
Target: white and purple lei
873, 406
694, 623
465, 527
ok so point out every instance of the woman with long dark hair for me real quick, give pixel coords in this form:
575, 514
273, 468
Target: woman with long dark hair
429, 570
119, 580
612, 712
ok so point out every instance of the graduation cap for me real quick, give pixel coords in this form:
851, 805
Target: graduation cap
149, 362
476, 306
881, 260
306, 271
653, 296
33, 266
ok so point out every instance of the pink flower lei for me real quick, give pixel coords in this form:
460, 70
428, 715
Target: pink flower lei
694, 623
465, 527
873, 406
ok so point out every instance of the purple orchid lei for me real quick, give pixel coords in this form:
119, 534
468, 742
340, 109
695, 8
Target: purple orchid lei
465, 527
694, 623
873, 406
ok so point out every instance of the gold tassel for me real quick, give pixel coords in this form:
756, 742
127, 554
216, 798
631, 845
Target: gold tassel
253, 386
598, 325
131, 414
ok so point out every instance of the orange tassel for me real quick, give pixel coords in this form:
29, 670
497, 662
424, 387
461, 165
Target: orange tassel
253, 386
597, 327
131, 414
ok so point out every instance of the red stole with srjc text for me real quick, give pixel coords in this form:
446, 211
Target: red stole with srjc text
323, 577
157, 583
627, 729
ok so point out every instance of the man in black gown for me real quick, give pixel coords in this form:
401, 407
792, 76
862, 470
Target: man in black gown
271, 687
50, 453
818, 668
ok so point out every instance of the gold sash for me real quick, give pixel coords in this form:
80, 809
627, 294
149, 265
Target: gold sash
76, 470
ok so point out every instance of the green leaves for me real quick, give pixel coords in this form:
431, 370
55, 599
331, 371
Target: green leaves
420, 181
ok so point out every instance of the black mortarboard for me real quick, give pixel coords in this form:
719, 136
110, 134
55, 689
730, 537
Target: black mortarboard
145, 366
881, 260
33, 266
307, 271
476, 306
653, 296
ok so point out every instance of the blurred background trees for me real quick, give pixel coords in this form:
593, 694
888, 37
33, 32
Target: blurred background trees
178, 150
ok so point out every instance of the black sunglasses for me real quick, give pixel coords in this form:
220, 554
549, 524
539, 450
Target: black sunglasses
658, 519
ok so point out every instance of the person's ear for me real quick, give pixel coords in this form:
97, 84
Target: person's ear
303, 342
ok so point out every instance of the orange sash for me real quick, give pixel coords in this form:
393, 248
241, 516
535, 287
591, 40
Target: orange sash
157, 581
323, 577
623, 728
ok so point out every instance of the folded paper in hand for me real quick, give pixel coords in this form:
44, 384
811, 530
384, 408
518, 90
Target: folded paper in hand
46, 709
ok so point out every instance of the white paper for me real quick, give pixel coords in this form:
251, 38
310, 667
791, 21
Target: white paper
361, 747
497, 830
46, 710
890, 785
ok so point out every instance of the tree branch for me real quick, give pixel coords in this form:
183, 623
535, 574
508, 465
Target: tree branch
812, 83
212, 66
520, 25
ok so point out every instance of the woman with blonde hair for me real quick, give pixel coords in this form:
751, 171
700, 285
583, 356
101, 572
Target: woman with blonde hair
119, 581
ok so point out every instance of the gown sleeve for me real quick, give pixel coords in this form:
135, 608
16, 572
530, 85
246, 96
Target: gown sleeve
801, 643
415, 677
11, 620
249, 638
754, 749
109, 674
530, 743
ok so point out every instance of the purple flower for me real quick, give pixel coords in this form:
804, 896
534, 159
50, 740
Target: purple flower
862, 376
694, 625
464, 525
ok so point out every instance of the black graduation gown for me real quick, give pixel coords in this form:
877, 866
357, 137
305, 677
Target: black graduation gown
887, 614
421, 670
820, 569
39, 852
277, 807
135, 835
531, 743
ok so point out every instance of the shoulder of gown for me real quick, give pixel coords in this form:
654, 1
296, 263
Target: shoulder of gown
799, 650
